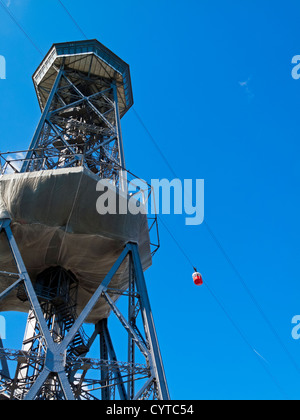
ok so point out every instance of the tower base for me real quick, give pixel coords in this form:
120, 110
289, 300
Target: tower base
53, 362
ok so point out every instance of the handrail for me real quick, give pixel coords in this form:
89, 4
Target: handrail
12, 162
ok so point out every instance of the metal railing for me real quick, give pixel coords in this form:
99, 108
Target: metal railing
12, 163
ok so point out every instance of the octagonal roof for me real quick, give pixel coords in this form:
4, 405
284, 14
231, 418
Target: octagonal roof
89, 57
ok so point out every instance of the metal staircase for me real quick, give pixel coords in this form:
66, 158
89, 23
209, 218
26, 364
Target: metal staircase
66, 318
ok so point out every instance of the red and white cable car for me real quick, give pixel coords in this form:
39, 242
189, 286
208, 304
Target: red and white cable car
198, 280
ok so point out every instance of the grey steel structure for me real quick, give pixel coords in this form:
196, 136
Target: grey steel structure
83, 90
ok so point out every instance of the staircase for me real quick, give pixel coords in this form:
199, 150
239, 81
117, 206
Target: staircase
66, 318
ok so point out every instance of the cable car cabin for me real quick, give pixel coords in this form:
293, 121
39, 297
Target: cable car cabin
198, 280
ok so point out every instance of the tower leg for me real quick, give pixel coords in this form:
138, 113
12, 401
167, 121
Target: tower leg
149, 326
133, 309
110, 353
105, 391
3, 362
148, 346
156, 359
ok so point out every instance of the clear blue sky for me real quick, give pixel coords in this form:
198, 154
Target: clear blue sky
212, 82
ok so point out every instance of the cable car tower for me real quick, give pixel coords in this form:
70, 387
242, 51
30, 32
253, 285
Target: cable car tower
63, 262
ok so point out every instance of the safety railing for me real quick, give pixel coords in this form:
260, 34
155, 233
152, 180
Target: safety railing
123, 179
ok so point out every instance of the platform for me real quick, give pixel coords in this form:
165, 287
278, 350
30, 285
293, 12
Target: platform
55, 223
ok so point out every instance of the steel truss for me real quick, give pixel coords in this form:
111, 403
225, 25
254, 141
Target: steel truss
80, 125
48, 367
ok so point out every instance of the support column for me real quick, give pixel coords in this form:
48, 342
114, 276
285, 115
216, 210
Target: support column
105, 336
157, 364
41, 122
105, 391
123, 173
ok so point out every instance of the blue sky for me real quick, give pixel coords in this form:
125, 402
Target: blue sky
212, 83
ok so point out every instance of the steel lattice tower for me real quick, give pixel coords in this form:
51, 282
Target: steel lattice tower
47, 225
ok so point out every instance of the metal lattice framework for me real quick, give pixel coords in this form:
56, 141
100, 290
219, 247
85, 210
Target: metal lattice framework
83, 90
48, 366
79, 127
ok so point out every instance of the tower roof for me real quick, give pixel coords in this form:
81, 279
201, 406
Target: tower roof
90, 57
